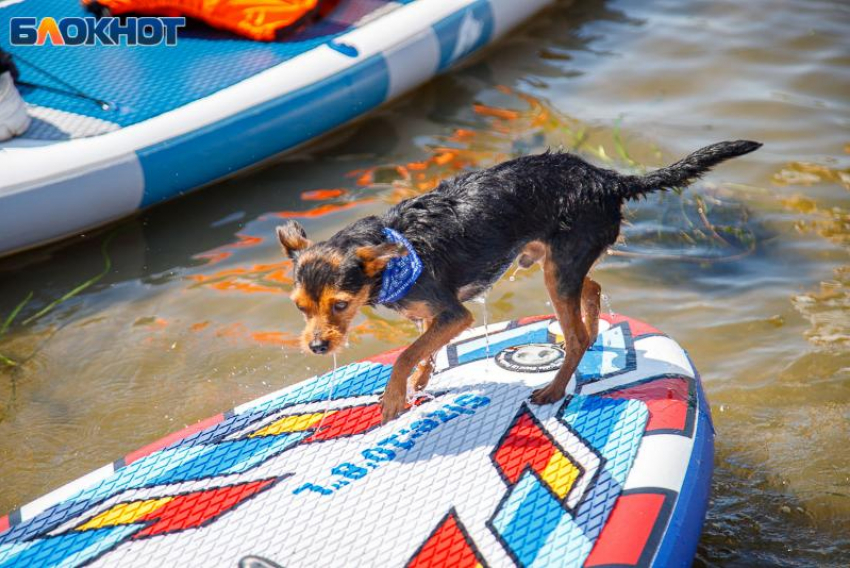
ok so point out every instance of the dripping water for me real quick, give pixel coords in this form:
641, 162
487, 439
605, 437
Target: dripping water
606, 301
512, 277
482, 299
330, 397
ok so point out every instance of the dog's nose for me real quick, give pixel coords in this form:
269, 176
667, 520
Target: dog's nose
319, 347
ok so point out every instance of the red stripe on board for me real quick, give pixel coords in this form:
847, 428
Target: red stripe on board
194, 509
638, 327
627, 531
533, 319
387, 358
666, 399
347, 422
4, 523
171, 438
351, 421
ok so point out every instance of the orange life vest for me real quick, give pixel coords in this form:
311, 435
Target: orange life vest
260, 20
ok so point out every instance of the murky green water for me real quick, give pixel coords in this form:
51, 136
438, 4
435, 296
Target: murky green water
749, 269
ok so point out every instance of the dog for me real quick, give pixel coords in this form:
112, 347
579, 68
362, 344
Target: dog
429, 254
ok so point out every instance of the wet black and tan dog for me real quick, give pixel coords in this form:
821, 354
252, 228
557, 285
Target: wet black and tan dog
429, 254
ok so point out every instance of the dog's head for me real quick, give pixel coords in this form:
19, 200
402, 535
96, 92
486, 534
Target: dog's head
331, 284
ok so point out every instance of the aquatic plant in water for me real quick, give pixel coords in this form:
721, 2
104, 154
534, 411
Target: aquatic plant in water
827, 307
10, 319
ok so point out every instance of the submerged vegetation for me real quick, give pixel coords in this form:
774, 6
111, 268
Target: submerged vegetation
8, 361
827, 307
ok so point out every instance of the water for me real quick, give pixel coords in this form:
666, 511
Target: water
330, 396
512, 277
482, 299
606, 303
192, 315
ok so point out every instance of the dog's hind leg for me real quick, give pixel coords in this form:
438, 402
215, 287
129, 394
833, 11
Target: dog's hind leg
591, 297
568, 308
576, 299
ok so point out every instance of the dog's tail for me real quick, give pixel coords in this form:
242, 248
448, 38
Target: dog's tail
686, 170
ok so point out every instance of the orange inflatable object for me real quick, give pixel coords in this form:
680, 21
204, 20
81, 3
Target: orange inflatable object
260, 20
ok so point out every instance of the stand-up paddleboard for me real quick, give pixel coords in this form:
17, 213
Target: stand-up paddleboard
618, 473
117, 129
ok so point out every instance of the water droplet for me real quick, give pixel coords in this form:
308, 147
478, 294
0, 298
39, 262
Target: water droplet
512, 277
607, 302
330, 396
482, 299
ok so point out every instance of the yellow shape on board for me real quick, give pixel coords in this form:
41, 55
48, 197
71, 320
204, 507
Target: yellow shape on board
124, 513
295, 423
560, 473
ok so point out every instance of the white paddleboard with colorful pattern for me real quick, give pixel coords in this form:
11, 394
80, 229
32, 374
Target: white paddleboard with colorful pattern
618, 473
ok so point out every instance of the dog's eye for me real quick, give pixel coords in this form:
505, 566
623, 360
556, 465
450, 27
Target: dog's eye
302, 309
340, 306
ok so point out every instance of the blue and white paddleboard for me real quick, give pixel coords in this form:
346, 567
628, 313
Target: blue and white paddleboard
117, 129
617, 474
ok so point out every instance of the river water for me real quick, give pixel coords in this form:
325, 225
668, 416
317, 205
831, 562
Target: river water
182, 311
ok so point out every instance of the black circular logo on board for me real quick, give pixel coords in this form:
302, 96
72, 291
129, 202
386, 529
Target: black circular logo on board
533, 358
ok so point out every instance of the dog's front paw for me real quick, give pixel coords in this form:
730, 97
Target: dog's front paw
548, 394
392, 405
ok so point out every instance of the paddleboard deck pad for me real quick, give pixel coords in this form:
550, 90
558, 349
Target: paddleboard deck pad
119, 128
617, 473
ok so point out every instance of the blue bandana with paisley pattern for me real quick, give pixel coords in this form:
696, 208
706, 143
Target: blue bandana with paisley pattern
400, 273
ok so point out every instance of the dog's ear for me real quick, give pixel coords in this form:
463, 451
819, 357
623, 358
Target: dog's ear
292, 238
375, 258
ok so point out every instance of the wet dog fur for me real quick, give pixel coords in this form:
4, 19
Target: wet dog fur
553, 208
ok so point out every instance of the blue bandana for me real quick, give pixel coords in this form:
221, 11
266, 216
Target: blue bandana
400, 273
